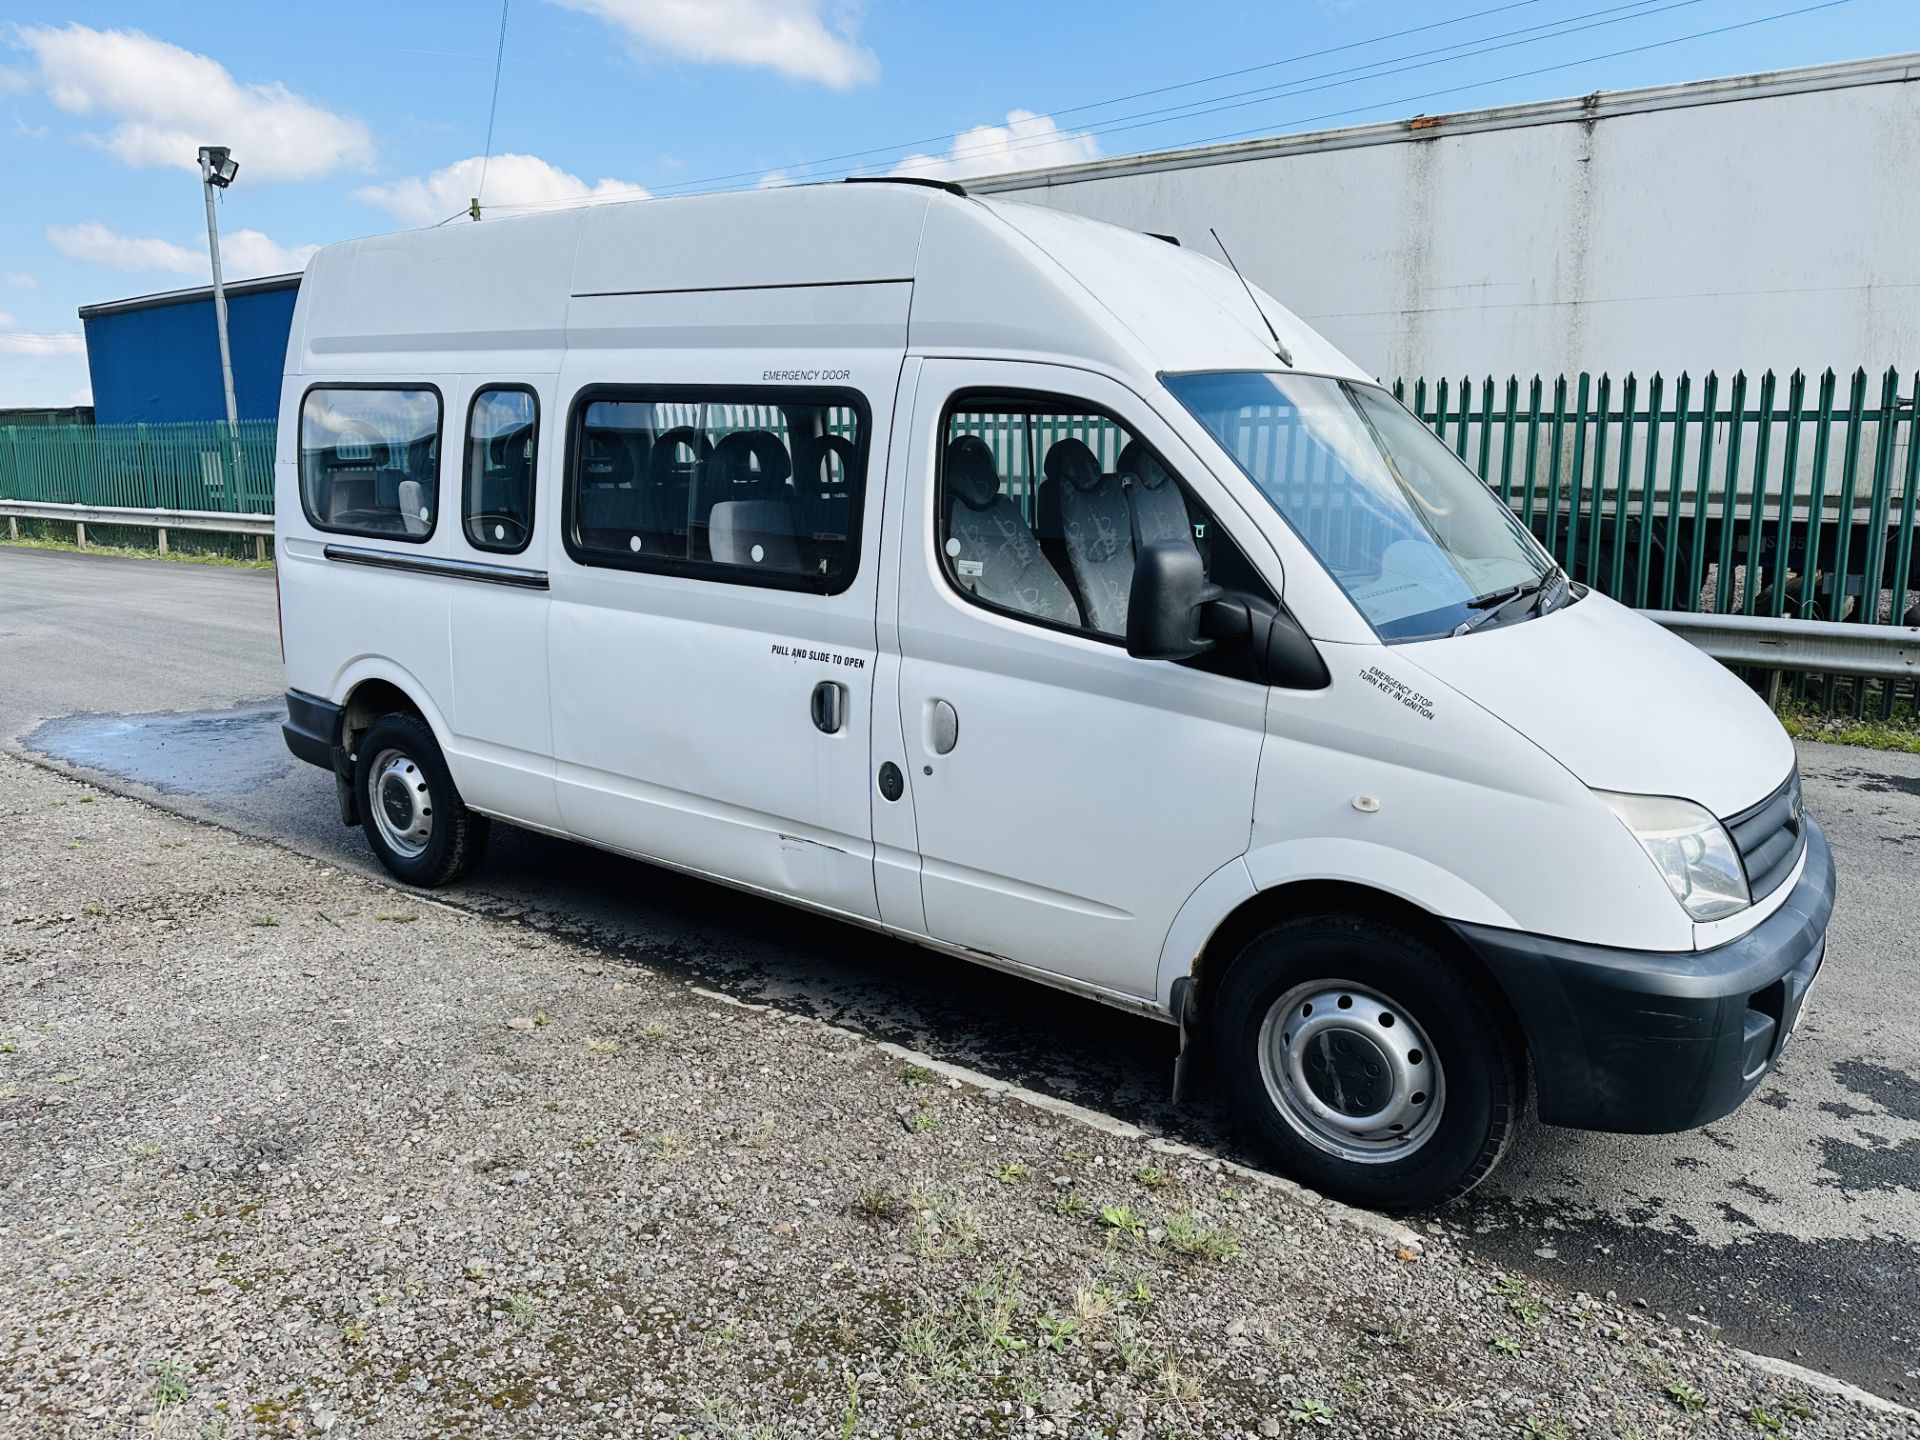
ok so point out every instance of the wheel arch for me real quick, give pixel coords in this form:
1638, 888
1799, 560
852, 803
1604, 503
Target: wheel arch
1268, 906
370, 692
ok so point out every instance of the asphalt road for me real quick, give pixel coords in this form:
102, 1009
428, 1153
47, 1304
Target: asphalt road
1793, 1225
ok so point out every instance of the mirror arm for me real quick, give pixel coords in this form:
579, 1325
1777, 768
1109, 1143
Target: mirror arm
1282, 653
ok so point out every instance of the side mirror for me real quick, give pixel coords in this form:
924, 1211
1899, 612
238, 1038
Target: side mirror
1163, 607
1173, 612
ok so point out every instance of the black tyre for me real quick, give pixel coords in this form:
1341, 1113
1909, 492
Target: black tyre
1370, 1067
409, 809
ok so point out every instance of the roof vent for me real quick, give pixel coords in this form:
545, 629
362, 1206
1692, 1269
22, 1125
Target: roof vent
951, 187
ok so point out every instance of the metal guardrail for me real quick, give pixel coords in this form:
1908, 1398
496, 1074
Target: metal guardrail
1826, 647
222, 522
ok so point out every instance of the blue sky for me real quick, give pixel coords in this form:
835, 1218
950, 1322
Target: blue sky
353, 118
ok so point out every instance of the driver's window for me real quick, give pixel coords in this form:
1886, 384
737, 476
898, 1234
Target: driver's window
502, 433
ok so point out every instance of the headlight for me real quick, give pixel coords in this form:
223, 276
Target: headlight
1691, 850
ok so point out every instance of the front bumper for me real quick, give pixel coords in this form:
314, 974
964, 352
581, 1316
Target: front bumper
1647, 1043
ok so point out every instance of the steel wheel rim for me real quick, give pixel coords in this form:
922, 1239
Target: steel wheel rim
1351, 1071
401, 803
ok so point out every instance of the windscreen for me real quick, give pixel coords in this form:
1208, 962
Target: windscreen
1418, 543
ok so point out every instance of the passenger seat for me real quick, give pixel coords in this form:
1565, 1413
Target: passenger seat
990, 548
1097, 532
823, 496
1154, 501
747, 465
757, 533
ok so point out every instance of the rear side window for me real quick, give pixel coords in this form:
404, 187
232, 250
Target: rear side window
743, 486
370, 460
497, 503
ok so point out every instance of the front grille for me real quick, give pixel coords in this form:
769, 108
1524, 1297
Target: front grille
1770, 837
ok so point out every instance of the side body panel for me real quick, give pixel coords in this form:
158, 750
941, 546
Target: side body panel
1088, 793
682, 706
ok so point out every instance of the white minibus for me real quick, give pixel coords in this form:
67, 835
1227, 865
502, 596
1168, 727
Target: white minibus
1038, 592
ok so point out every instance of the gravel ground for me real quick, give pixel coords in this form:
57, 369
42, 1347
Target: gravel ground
284, 1151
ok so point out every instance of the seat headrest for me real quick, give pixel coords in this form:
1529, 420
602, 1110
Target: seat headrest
756, 458
1072, 461
607, 460
1136, 460
971, 473
810, 460
683, 446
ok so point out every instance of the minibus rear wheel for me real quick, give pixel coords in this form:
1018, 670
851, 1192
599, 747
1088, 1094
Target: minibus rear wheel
1366, 1061
409, 809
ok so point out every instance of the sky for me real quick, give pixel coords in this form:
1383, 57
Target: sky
356, 118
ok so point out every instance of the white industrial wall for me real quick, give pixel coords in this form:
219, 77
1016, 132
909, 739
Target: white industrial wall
1767, 221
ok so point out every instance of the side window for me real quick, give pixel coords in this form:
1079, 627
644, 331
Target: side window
370, 460
497, 506
1044, 503
751, 487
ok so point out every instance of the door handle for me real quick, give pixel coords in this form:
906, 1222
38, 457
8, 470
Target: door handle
944, 727
829, 707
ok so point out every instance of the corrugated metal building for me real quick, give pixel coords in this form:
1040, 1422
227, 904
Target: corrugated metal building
1762, 221
155, 359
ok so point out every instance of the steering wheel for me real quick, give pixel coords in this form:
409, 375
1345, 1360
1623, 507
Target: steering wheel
497, 529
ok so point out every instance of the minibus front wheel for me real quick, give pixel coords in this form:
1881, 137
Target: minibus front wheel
1367, 1062
409, 808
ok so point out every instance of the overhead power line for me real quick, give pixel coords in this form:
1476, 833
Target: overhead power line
1304, 85
901, 146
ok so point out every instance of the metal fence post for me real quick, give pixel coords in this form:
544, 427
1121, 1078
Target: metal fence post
229, 471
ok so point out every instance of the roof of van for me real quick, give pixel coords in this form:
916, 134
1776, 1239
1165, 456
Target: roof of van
984, 277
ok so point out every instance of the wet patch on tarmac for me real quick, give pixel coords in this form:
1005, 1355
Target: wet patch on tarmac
1876, 1166
1877, 782
209, 752
1894, 1091
1842, 1306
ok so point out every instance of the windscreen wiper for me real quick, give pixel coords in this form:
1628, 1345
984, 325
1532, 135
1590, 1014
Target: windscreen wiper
1496, 597
1555, 584
1493, 604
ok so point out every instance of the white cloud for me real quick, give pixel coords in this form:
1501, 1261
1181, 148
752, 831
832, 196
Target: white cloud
166, 102
243, 253
97, 245
19, 342
801, 39
7, 322
12, 80
19, 280
247, 253
773, 180
511, 180
1026, 142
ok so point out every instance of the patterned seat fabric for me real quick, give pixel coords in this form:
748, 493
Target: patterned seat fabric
1098, 532
990, 549
1158, 510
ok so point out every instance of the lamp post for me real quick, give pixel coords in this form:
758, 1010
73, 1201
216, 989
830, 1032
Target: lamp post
217, 169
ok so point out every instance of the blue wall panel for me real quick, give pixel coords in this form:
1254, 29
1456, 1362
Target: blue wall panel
162, 362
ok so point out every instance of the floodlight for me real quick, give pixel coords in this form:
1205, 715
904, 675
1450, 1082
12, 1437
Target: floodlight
218, 165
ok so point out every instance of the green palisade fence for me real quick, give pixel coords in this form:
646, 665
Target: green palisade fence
1792, 497
165, 467
1774, 498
